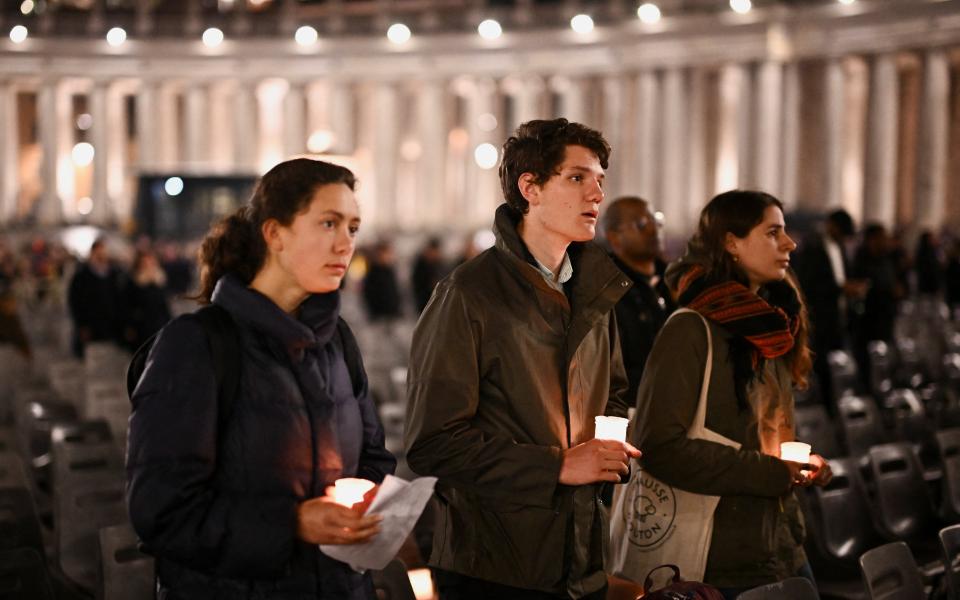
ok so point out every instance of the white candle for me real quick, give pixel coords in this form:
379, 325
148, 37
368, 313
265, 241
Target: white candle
611, 428
795, 451
350, 490
422, 583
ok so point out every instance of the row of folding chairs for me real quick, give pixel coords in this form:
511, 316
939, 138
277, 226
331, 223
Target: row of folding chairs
888, 572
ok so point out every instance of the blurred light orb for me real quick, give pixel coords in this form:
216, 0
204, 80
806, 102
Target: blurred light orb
212, 37
116, 36
27, 6
320, 141
581, 23
649, 13
487, 122
741, 6
18, 34
84, 121
486, 155
398, 33
489, 29
173, 186
306, 36
85, 205
82, 154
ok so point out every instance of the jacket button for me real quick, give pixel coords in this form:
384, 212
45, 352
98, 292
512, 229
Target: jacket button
624, 283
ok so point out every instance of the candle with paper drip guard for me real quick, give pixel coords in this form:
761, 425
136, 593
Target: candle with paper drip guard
350, 490
795, 451
611, 428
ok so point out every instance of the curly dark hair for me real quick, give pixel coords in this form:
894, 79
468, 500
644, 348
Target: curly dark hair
538, 147
236, 245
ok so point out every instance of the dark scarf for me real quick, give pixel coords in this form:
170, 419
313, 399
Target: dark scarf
763, 325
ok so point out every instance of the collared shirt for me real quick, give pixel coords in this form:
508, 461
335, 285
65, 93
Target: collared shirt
556, 281
835, 254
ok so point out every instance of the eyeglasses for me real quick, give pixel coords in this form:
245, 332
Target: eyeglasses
642, 223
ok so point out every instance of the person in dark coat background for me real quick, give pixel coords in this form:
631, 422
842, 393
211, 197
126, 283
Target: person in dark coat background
823, 271
634, 237
428, 269
951, 276
95, 300
237, 510
145, 301
381, 293
872, 318
928, 264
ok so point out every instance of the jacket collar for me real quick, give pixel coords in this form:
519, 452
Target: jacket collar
313, 326
594, 289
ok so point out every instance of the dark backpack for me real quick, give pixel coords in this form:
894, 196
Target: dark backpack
678, 589
223, 338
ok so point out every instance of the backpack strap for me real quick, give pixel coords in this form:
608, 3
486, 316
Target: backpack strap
351, 354
223, 337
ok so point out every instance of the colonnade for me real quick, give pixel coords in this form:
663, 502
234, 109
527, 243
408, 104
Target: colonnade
818, 129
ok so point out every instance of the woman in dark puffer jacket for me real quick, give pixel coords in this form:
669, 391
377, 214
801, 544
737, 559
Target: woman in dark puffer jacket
236, 510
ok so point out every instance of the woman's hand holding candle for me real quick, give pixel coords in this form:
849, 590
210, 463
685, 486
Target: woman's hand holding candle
821, 471
324, 521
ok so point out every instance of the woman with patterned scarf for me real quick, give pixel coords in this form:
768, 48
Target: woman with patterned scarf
736, 275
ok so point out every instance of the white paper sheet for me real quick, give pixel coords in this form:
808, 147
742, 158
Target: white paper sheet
400, 503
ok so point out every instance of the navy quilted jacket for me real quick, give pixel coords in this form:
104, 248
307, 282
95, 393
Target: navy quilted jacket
217, 508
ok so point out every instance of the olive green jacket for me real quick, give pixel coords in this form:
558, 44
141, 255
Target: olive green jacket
505, 373
758, 530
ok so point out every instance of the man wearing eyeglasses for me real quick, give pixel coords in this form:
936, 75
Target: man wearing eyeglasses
633, 233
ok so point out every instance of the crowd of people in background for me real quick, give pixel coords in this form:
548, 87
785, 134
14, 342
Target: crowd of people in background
852, 281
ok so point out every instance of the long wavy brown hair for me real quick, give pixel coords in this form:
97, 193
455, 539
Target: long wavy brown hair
737, 212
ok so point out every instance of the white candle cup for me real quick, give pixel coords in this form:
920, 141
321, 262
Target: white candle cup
795, 451
611, 428
350, 490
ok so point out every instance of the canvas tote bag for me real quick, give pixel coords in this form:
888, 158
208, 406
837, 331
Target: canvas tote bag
652, 523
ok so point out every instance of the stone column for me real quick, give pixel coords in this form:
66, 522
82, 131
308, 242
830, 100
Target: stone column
434, 210
733, 78
270, 96
482, 196
147, 125
295, 120
50, 110
769, 120
834, 107
341, 116
167, 126
196, 132
103, 121
246, 136
672, 161
880, 174
573, 99
220, 146
934, 141
121, 201
696, 170
385, 144
791, 136
614, 93
9, 153
648, 138
528, 100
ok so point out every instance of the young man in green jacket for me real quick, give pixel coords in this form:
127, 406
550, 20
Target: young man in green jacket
513, 357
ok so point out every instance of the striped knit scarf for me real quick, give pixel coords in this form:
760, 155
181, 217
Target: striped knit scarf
768, 326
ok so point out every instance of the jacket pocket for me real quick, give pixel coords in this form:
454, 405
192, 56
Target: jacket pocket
522, 546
